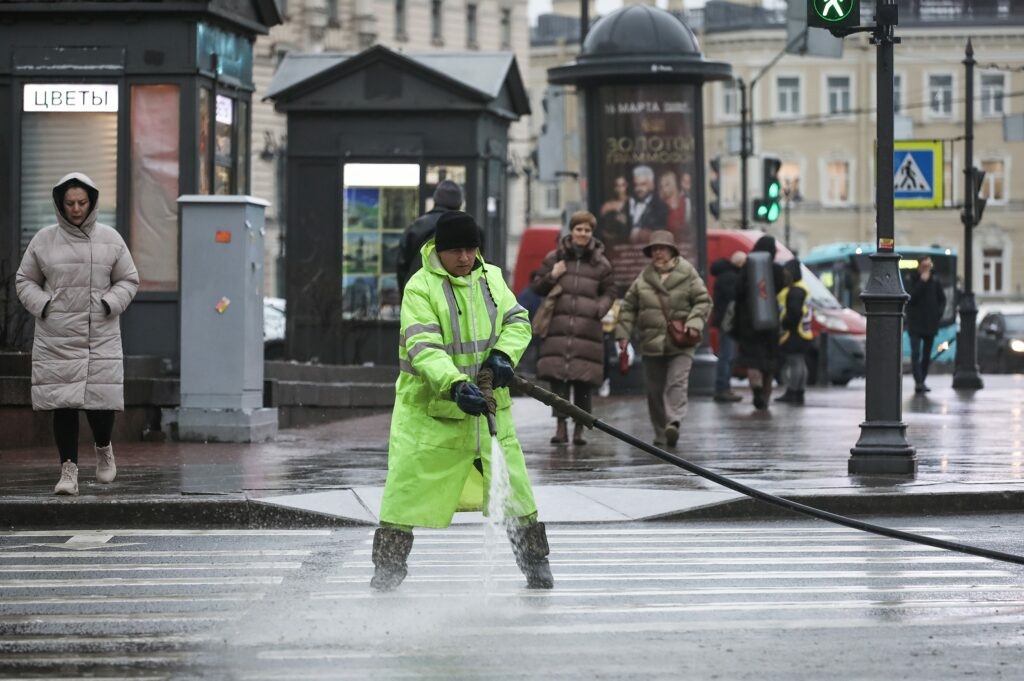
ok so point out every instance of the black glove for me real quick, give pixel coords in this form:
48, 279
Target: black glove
469, 398
499, 363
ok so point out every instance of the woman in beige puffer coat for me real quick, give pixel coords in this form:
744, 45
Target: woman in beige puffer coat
76, 278
669, 288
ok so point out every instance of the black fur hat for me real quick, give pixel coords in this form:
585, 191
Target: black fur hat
456, 229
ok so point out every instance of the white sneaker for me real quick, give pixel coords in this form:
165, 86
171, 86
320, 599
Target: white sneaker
68, 483
606, 388
106, 471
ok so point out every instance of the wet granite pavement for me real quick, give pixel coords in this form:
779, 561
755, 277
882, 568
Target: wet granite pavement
970, 452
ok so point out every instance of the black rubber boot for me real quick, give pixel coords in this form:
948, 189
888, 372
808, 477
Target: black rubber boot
390, 549
530, 546
788, 396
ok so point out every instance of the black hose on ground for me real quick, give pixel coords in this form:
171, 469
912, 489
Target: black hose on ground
572, 411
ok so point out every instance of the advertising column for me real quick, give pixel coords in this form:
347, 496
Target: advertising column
645, 171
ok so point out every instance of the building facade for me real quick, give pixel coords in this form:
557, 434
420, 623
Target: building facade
818, 115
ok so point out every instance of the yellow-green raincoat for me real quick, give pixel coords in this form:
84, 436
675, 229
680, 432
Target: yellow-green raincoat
449, 325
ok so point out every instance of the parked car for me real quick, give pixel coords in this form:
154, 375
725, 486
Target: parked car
273, 327
1001, 339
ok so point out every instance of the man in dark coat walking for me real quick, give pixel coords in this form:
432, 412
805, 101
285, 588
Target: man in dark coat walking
924, 311
725, 271
447, 196
758, 348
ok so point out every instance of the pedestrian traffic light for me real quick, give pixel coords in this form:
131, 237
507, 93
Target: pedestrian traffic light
977, 179
769, 207
760, 212
715, 205
833, 13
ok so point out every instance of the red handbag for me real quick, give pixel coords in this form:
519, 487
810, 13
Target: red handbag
676, 328
623, 361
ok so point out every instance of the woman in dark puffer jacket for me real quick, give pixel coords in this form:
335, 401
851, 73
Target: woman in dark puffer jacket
572, 353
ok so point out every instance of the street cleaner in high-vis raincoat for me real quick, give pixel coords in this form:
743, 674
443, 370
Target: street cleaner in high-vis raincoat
458, 317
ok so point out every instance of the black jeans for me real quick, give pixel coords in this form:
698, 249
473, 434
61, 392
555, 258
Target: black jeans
921, 356
65, 430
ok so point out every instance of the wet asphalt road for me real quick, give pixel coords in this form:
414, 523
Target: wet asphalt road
695, 600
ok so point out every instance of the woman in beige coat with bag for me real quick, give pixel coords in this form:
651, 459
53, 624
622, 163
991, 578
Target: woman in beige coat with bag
669, 288
76, 278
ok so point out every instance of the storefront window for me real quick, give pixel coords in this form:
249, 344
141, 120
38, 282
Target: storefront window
203, 167
380, 201
243, 148
54, 144
155, 163
223, 159
435, 174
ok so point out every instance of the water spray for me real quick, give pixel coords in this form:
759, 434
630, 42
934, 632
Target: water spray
587, 419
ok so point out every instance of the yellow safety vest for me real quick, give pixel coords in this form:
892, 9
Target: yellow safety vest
803, 329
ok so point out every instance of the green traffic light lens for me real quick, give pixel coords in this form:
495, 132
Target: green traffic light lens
773, 212
773, 190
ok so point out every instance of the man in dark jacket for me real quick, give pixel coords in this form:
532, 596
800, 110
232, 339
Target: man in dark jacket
725, 271
927, 303
447, 196
759, 347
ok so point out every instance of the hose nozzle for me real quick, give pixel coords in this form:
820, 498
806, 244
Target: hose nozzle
485, 381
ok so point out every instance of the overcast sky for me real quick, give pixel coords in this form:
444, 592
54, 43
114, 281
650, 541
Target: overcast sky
603, 6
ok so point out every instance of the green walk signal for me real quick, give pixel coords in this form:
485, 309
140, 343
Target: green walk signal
769, 208
833, 13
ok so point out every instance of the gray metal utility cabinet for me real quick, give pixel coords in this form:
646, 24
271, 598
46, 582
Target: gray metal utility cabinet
222, 320
414, 118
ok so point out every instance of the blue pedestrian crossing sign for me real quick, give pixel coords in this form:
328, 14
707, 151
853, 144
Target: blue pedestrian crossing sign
918, 180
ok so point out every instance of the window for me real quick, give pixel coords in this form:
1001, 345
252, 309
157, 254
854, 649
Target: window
332, 13
436, 9
506, 28
400, 33
52, 143
952, 184
224, 137
552, 197
471, 41
730, 99
153, 210
838, 89
993, 187
993, 88
940, 95
788, 91
789, 175
837, 183
244, 142
992, 270
897, 93
204, 135
379, 201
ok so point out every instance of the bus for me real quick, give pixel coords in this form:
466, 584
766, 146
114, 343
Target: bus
845, 267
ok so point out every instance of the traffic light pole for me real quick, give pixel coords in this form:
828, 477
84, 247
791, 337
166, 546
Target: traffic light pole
965, 371
747, 125
883, 448
744, 155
